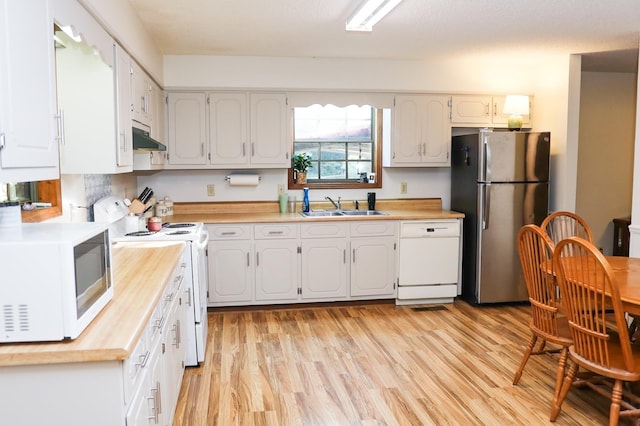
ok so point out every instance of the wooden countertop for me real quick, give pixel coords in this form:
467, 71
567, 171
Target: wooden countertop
141, 273
264, 212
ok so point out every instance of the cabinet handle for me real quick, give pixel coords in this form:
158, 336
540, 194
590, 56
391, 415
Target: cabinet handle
189, 296
60, 117
253, 149
424, 149
2, 140
248, 264
157, 404
244, 151
228, 233
344, 256
143, 360
202, 149
354, 255
495, 109
486, 109
276, 232
257, 259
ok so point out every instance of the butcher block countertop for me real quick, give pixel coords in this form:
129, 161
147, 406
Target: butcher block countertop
268, 212
141, 271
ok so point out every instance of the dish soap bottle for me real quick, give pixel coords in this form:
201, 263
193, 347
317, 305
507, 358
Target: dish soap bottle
305, 200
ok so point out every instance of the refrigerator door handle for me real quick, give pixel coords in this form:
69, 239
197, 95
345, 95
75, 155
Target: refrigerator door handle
487, 161
486, 205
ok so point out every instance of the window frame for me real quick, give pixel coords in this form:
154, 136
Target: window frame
377, 163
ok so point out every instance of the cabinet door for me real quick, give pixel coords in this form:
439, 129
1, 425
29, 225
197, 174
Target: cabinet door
373, 266
124, 107
230, 272
158, 122
276, 269
269, 143
471, 109
28, 133
229, 143
142, 88
436, 137
407, 130
324, 268
174, 350
187, 128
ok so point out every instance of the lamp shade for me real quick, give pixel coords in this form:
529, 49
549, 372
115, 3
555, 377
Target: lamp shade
516, 105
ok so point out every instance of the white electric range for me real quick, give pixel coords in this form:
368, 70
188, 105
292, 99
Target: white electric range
114, 211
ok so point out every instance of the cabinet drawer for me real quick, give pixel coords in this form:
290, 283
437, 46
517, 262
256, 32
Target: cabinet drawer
275, 231
372, 228
229, 232
133, 367
323, 230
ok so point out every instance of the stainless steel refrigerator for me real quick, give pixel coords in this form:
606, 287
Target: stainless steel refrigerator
500, 181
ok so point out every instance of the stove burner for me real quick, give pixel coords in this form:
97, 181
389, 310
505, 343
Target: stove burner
179, 225
178, 233
139, 234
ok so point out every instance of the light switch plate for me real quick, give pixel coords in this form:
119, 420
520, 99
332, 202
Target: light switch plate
280, 189
403, 187
211, 190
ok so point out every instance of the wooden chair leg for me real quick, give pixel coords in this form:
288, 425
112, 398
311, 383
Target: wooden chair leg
525, 358
616, 397
562, 366
556, 405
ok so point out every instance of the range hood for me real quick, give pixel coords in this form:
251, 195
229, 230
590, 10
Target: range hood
142, 140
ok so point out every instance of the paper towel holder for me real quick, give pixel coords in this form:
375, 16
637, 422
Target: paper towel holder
230, 179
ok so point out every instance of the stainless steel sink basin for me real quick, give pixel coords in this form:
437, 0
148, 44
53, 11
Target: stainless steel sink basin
339, 213
322, 213
364, 213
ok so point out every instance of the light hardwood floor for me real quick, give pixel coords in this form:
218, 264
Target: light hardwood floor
375, 364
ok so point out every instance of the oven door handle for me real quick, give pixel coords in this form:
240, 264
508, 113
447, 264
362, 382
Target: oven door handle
203, 240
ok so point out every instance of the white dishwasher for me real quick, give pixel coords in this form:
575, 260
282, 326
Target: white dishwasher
429, 261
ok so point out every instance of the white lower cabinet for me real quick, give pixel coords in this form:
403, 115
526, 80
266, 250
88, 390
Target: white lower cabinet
293, 263
276, 262
373, 258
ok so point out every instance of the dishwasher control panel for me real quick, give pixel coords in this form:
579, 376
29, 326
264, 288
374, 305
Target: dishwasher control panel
420, 229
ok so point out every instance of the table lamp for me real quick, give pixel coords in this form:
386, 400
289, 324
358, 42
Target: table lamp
516, 106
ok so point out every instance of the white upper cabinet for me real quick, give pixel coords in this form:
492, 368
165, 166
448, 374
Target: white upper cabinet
124, 107
186, 115
89, 68
141, 95
245, 130
421, 133
482, 110
28, 125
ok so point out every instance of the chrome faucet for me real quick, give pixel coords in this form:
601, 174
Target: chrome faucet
336, 205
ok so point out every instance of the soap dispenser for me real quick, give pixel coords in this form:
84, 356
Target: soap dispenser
305, 200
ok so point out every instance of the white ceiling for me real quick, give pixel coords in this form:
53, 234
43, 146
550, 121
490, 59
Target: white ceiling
415, 29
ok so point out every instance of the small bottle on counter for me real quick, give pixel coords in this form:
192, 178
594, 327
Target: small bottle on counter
169, 205
305, 200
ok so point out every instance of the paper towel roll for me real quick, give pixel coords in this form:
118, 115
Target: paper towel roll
244, 180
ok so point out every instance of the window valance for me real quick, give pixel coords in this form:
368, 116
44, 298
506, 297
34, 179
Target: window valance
340, 99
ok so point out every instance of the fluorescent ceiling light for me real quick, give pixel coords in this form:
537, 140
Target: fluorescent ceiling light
370, 13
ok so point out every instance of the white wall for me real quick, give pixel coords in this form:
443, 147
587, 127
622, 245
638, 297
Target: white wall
544, 77
605, 154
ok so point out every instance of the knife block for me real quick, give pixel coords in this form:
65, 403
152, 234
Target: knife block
136, 206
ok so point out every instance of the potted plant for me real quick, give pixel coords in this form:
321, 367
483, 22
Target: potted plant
300, 163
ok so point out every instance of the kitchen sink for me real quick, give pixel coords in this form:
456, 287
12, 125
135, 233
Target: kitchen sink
339, 213
364, 213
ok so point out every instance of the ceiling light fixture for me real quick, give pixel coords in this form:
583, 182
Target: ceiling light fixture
370, 13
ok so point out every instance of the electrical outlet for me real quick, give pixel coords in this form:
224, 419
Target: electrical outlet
280, 189
403, 187
211, 190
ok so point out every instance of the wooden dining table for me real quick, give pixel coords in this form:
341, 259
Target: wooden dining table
627, 275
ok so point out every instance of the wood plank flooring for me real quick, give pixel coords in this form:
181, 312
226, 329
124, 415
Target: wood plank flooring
375, 364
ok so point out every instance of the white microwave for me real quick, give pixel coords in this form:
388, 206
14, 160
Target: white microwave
56, 278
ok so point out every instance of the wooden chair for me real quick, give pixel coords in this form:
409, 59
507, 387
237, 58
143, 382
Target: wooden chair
547, 323
588, 288
560, 225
